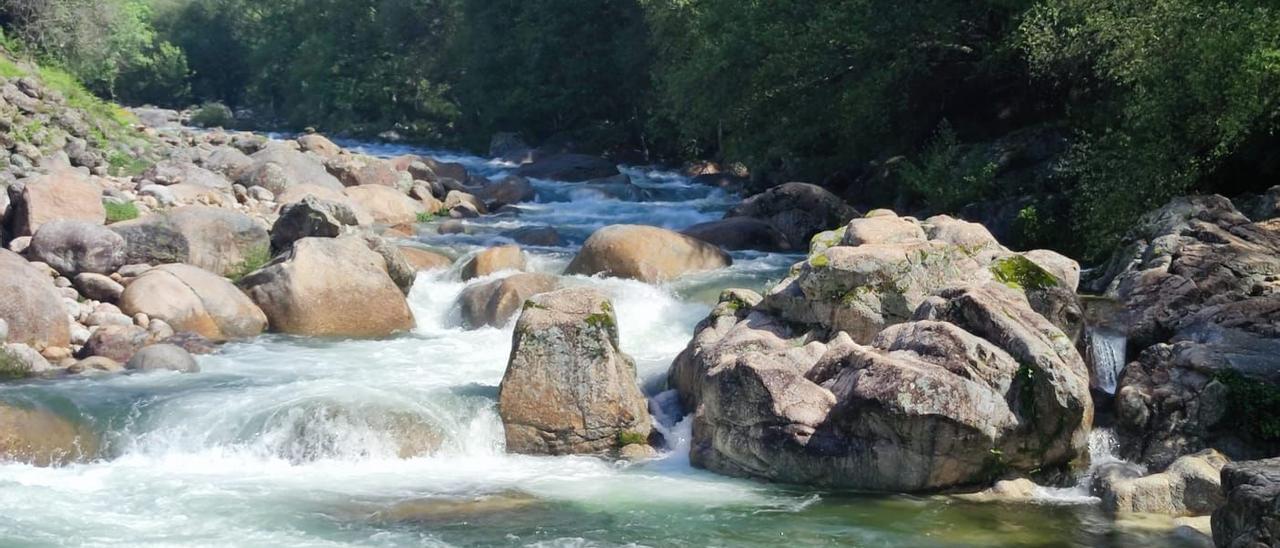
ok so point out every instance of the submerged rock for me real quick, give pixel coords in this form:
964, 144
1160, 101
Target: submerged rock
568, 389
645, 253
572, 168
42, 438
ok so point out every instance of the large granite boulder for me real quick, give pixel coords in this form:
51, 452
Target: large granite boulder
386, 204
799, 210
63, 193
975, 386
645, 253
41, 437
194, 300
319, 145
494, 303
1251, 516
278, 166
568, 389
334, 287
31, 305
219, 240
737, 233
163, 357
508, 191
179, 172
72, 246
571, 168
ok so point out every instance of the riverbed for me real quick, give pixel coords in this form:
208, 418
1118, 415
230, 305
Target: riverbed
284, 441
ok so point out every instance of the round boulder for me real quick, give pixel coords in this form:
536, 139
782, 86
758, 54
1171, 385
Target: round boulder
163, 357
494, 303
195, 300
799, 210
334, 287
645, 253
72, 247
494, 259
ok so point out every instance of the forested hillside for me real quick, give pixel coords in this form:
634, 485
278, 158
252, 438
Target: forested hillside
1041, 118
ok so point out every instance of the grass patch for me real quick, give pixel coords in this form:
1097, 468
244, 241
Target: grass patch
256, 258
123, 164
631, 438
10, 69
12, 367
1019, 272
212, 115
117, 212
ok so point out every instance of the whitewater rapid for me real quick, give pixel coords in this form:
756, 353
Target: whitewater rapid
285, 441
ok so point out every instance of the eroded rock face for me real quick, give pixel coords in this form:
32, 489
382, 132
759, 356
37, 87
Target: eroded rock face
31, 305
1251, 516
975, 386
335, 287
1198, 286
219, 240
568, 389
494, 303
645, 253
1195, 253
72, 247
195, 300
799, 210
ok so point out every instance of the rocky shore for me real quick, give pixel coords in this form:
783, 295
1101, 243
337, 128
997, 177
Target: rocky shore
899, 355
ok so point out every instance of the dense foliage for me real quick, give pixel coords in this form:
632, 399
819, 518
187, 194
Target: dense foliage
1062, 116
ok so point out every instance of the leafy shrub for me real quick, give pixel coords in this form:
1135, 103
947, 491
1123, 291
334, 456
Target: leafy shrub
212, 115
945, 177
256, 258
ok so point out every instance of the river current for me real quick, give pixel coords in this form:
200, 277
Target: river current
285, 441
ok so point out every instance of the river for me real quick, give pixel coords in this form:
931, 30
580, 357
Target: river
285, 441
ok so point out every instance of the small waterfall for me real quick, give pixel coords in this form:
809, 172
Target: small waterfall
1107, 348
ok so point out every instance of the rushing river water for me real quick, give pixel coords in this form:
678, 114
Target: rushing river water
293, 442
